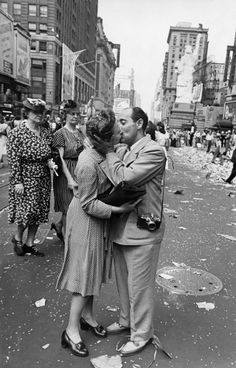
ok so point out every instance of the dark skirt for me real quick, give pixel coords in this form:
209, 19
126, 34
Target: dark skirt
62, 194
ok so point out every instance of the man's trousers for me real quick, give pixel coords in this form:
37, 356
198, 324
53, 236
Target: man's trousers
135, 270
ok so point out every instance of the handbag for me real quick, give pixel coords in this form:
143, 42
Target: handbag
121, 194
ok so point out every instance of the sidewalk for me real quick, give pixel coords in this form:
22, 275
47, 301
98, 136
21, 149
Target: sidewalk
196, 338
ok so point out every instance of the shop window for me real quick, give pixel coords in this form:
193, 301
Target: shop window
43, 11
32, 27
16, 9
43, 28
32, 10
4, 7
43, 46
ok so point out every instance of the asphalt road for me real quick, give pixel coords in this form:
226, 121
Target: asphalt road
196, 338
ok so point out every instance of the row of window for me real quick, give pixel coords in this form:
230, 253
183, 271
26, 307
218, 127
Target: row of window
32, 27
33, 10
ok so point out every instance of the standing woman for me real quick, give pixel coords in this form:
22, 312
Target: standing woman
86, 241
68, 141
4, 130
29, 155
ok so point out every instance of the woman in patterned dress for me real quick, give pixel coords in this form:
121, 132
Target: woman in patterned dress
29, 156
69, 143
86, 242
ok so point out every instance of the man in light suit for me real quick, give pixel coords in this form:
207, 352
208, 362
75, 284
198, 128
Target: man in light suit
136, 250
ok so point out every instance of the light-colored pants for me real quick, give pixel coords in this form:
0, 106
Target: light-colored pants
135, 270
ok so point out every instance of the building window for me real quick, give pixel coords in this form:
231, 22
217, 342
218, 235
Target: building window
33, 46
4, 7
16, 9
32, 10
43, 28
32, 27
43, 46
43, 11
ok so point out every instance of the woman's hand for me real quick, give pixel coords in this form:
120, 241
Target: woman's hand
126, 207
19, 188
72, 184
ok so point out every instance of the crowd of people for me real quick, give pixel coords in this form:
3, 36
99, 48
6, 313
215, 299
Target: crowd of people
108, 183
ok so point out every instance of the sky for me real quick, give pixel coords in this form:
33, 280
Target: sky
142, 27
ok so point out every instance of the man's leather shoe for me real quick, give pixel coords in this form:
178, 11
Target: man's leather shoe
133, 347
78, 348
97, 331
116, 328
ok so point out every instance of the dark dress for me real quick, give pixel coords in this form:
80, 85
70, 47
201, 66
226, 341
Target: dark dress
27, 156
73, 146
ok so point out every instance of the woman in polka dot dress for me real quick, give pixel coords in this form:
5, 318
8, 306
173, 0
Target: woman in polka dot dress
29, 155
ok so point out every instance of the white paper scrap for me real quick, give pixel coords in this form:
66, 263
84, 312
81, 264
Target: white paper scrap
40, 303
229, 237
166, 276
205, 305
104, 361
45, 346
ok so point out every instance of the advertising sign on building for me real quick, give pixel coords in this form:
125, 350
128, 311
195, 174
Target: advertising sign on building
197, 92
68, 72
230, 110
6, 45
22, 59
120, 104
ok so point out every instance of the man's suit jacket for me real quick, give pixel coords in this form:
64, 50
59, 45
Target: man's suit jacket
143, 165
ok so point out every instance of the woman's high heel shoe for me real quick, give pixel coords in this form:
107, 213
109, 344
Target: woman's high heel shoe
59, 233
78, 349
97, 331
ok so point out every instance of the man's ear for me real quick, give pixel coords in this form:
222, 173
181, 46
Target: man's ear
139, 123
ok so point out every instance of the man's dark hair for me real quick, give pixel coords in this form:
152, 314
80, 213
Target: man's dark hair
138, 113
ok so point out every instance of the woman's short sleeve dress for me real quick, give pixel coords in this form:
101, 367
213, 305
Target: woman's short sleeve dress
27, 156
73, 146
87, 258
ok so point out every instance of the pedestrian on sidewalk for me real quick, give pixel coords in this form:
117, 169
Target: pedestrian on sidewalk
87, 246
68, 144
29, 157
233, 171
218, 149
137, 236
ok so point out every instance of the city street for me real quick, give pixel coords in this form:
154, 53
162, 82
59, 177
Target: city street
200, 234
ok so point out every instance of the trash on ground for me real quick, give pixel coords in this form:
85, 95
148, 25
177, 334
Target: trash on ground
205, 305
166, 276
179, 191
229, 237
182, 228
36, 241
104, 361
40, 303
179, 264
168, 210
45, 346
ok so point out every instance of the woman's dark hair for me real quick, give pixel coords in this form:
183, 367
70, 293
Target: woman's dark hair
151, 129
138, 113
100, 126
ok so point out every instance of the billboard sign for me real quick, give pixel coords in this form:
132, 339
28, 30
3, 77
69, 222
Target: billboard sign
22, 59
6, 45
120, 104
197, 92
230, 110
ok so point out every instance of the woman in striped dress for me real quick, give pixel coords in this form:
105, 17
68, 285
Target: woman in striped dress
68, 141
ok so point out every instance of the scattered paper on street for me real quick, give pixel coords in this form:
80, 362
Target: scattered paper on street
40, 303
229, 237
104, 361
205, 305
45, 346
166, 276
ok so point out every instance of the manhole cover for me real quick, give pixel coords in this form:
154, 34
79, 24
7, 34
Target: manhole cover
188, 281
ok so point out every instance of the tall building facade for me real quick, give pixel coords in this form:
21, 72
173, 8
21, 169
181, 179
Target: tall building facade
50, 24
105, 70
179, 36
